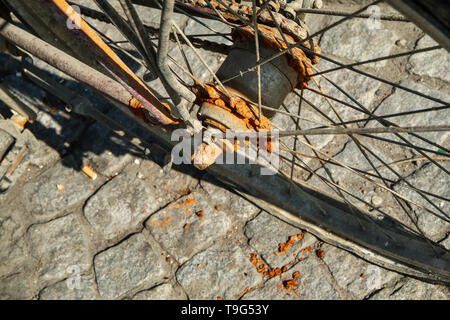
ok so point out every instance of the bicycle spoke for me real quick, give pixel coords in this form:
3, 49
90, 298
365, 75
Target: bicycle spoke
258, 69
384, 123
389, 57
347, 14
384, 116
298, 44
395, 85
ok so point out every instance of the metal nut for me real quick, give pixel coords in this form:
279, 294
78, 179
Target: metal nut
318, 4
274, 5
290, 13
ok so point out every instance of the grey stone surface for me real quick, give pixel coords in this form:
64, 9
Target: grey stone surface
358, 277
19, 285
433, 180
266, 232
213, 61
121, 205
361, 88
44, 198
168, 186
411, 289
80, 287
432, 63
43, 157
13, 250
57, 246
345, 40
164, 291
181, 230
235, 204
314, 283
57, 129
351, 180
402, 101
135, 261
222, 271
208, 27
107, 153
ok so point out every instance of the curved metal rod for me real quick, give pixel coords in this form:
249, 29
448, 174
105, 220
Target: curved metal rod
163, 49
166, 73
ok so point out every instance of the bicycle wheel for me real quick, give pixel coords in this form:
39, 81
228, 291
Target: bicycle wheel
362, 125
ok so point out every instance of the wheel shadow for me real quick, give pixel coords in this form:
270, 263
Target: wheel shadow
77, 138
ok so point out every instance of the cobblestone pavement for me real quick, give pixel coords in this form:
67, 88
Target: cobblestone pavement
139, 232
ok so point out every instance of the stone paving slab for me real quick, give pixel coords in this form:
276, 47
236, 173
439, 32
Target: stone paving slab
314, 282
406, 101
239, 207
136, 261
223, 271
58, 190
165, 291
359, 279
346, 41
433, 63
134, 233
57, 245
184, 227
431, 224
266, 233
83, 287
411, 289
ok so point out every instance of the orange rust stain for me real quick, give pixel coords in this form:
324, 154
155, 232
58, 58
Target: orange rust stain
219, 103
319, 253
261, 267
200, 213
105, 52
292, 283
165, 222
20, 123
217, 125
234, 104
186, 202
283, 247
308, 249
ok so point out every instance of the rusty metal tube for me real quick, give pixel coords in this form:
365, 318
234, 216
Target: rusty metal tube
65, 63
49, 19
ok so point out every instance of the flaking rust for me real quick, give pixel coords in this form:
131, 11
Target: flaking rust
232, 101
271, 37
207, 153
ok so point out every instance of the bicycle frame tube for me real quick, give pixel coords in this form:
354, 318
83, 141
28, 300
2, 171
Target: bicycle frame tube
50, 19
430, 15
